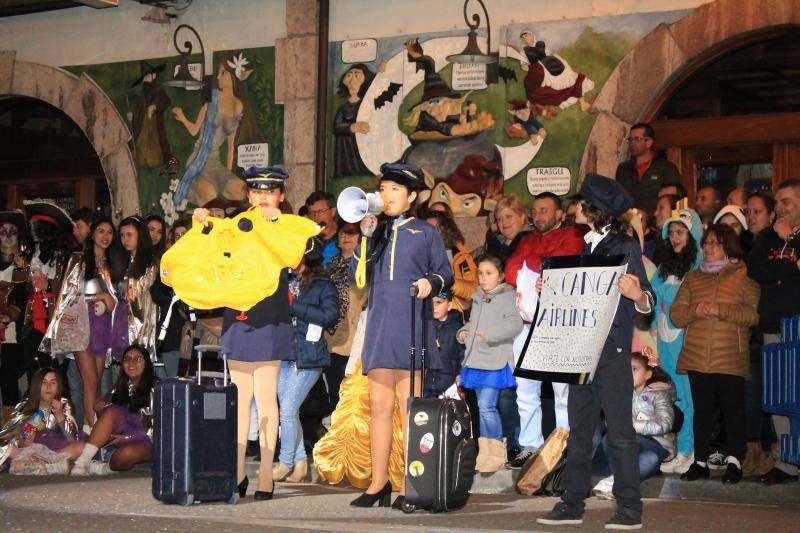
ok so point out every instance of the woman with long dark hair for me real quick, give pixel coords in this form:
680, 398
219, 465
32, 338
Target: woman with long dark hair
681, 253
352, 87
56, 428
121, 433
157, 229
140, 275
94, 275
315, 307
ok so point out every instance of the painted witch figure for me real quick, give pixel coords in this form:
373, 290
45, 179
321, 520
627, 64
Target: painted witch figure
353, 86
147, 118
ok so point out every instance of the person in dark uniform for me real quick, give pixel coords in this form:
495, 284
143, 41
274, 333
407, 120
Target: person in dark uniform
257, 342
402, 252
604, 200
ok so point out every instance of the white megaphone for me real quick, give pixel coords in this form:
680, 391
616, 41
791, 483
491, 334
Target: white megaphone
354, 204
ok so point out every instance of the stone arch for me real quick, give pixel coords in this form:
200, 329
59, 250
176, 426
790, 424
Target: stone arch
665, 56
89, 107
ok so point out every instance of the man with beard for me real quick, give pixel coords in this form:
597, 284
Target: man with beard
550, 238
147, 117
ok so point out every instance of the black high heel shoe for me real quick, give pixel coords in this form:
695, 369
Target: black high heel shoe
398, 502
263, 495
383, 497
242, 487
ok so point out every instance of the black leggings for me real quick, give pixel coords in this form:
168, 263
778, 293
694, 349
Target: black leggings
727, 392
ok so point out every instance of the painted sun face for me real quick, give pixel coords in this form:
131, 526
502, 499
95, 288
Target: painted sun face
462, 205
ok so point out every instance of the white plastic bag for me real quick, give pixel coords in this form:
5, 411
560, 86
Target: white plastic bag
527, 297
39, 460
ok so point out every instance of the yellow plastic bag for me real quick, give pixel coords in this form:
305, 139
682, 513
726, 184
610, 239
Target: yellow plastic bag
238, 263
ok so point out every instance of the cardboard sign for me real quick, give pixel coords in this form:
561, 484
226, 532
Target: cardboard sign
252, 155
556, 180
576, 309
469, 76
359, 50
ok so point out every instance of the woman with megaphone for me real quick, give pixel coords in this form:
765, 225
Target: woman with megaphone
394, 256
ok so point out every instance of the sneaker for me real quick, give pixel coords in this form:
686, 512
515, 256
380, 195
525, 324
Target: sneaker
100, 468
80, 469
678, 465
604, 489
513, 452
695, 472
519, 461
732, 475
625, 520
716, 461
562, 514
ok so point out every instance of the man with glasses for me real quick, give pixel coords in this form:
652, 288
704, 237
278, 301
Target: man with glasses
644, 173
321, 208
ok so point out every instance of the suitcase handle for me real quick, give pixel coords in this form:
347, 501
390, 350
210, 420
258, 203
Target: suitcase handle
203, 348
413, 291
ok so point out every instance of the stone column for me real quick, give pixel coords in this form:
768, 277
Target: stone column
296, 88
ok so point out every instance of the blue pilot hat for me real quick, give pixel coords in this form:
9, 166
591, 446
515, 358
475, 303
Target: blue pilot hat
410, 176
265, 177
605, 194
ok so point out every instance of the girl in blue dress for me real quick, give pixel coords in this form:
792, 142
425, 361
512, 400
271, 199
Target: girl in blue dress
399, 253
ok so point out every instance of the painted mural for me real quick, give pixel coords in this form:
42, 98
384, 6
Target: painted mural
477, 131
190, 146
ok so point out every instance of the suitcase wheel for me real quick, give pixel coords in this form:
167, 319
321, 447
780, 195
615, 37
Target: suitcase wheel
188, 500
409, 508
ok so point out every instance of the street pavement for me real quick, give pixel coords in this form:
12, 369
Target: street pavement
122, 502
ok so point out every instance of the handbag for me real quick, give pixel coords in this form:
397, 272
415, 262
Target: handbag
541, 473
72, 332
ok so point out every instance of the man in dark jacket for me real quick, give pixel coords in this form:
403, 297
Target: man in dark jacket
611, 390
773, 263
644, 173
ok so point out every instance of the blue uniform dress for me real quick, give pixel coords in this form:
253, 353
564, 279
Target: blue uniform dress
266, 334
411, 250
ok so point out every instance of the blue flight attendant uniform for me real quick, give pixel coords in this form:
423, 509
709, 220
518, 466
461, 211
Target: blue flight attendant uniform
611, 390
412, 250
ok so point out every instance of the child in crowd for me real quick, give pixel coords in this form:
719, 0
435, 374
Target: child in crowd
653, 419
448, 321
489, 336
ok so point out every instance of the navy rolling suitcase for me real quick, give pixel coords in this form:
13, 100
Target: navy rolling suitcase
440, 450
194, 439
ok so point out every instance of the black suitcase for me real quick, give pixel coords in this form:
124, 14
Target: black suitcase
440, 450
194, 439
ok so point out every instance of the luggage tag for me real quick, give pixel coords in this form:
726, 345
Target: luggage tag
314, 333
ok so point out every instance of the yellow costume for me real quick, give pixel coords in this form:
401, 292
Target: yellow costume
344, 450
220, 269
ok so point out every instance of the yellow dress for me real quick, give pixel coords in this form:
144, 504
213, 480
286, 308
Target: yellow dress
345, 449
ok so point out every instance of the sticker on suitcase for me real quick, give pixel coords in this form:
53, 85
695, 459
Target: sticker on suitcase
421, 418
416, 469
426, 443
456, 428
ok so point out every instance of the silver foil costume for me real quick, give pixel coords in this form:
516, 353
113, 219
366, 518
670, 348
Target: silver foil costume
9, 434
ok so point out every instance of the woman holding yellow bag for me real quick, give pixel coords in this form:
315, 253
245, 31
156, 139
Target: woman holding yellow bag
257, 341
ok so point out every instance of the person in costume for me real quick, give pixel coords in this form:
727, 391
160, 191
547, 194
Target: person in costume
682, 252
93, 275
49, 225
13, 296
134, 288
258, 341
123, 433
400, 253
44, 417
603, 202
